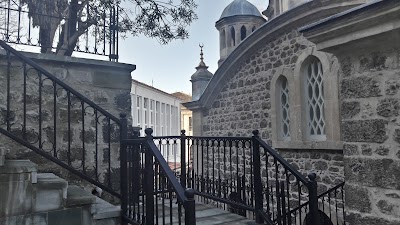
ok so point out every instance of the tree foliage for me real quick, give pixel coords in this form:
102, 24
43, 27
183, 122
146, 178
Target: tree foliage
165, 20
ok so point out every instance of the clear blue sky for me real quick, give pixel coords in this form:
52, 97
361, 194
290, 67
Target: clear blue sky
170, 66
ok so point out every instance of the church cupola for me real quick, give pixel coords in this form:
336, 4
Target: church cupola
238, 20
200, 78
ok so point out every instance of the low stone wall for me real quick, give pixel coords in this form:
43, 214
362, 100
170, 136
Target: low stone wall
107, 84
327, 164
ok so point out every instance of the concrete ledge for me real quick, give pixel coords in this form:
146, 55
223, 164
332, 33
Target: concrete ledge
18, 166
104, 210
77, 196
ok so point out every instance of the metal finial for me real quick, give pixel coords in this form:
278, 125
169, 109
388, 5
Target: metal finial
201, 52
202, 64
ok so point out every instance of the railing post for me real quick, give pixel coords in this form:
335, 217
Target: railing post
137, 181
257, 177
149, 183
183, 158
123, 166
190, 207
313, 199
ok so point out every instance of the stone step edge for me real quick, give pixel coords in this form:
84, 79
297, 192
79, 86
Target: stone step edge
50, 181
16, 166
76, 196
101, 209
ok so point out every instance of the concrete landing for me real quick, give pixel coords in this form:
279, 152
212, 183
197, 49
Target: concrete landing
206, 215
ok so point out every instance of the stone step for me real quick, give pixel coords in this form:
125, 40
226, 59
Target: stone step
205, 215
104, 213
76, 196
50, 192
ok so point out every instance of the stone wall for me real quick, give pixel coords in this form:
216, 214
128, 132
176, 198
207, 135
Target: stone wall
105, 83
244, 105
369, 90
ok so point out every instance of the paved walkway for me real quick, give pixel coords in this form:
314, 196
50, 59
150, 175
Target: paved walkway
207, 215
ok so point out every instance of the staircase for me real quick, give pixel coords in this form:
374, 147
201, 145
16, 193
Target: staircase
32, 198
221, 180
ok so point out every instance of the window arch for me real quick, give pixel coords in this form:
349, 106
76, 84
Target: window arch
243, 33
312, 114
223, 39
314, 98
284, 108
282, 105
233, 38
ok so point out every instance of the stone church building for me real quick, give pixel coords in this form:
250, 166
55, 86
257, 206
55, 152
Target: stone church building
320, 80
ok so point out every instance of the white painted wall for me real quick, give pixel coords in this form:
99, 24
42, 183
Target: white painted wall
153, 108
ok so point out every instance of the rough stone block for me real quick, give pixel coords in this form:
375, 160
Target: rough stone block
384, 173
374, 60
388, 107
365, 131
360, 87
350, 149
357, 198
350, 109
357, 219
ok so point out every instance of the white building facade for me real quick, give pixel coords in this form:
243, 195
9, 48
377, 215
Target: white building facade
156, 109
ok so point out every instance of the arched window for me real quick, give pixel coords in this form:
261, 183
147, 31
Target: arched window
303, 116
253, 29
223, 39
315, 102
233, 39
284, 109
242, 33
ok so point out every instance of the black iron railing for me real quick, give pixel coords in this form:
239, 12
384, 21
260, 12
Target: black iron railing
246, 176
153, 194
330, 208
44, 114
76, 26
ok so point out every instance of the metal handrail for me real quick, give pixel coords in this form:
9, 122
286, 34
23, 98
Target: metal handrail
319, 196
33, 64
60, 163
176, 186
285, 163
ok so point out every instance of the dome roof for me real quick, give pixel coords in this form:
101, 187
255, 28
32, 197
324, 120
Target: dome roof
240, 7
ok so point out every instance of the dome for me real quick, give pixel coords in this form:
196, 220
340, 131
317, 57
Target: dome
240, 7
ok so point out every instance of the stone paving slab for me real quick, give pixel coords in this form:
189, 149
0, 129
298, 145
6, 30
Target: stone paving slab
206, 215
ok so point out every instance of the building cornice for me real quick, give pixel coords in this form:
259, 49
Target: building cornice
354, 26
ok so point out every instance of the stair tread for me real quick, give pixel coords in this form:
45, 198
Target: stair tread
78, 196
50, 181
103, 210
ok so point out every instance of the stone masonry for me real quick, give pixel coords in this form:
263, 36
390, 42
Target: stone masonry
370, 111
244, 105
105, 83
